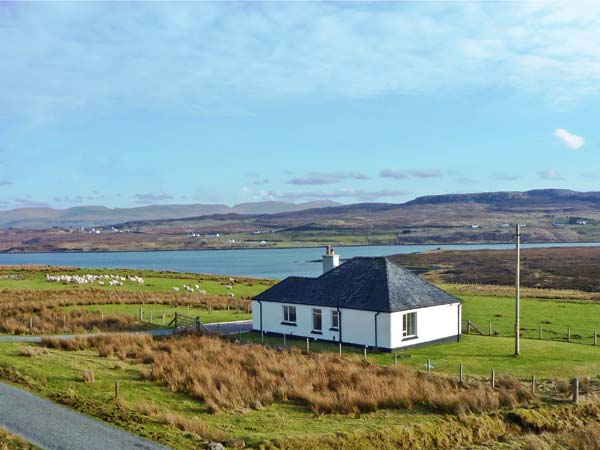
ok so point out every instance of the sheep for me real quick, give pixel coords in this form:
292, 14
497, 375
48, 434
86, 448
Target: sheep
176, 289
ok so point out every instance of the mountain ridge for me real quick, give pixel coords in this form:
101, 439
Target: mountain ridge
99, 215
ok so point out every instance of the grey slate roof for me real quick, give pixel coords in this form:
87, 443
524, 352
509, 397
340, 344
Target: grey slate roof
371, 284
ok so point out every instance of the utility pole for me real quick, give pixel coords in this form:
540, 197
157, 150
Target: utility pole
518, 293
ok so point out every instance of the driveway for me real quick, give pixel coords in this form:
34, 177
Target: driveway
54, 427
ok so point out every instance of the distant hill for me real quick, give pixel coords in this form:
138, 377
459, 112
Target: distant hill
548, 215
94, 216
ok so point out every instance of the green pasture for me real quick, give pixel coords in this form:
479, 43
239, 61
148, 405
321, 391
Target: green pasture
554, 315
478, 354
57, 375
154, 281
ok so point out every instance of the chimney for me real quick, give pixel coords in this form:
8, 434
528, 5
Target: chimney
330, 259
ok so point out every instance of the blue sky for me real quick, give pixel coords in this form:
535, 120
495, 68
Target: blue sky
127, 104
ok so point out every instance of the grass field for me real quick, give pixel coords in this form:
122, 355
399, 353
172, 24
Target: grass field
156, 312
555, 316
34, 278
478, 354
57, 375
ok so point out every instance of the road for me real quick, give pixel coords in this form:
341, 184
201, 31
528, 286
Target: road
54, 427
223, 327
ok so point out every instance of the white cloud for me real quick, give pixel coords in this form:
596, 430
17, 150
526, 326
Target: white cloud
550, 175
316, 178
569, 139
226, 56
343, 193
393, 173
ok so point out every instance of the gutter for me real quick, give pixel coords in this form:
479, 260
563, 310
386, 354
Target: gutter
458, 335
376, 314
339, 324
261, 321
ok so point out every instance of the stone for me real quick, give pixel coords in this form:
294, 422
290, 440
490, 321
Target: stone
214, 446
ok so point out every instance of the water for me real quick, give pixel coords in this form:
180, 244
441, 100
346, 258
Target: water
275, 263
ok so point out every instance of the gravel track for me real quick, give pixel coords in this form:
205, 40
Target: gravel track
54, 427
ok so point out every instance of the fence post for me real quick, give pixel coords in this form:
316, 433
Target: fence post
307, 345
490, 329
209, 307
151, 318
468, 327
284, 340
428, 365
395, 359
575, 389
262, 336
188, 309
64, 320
541, 331
460, 374
365, 352
493, 378
116, 389
30, 322
176, 319
568, 334
595, 338
533, 384
141, 313
198, 325
340, 349
164, 318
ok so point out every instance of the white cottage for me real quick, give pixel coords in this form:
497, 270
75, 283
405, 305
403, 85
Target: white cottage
365, 301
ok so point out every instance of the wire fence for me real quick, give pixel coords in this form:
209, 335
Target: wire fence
541, 331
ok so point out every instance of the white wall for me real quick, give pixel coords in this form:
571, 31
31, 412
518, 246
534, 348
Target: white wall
358, 327
273, 316
433, 323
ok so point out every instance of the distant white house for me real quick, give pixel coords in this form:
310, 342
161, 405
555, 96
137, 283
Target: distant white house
365, 301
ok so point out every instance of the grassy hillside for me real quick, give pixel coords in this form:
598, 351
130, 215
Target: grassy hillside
550, 216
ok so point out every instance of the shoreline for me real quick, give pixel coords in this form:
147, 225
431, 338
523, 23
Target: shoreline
549, 243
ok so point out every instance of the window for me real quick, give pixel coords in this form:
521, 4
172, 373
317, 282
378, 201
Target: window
335, 320
409, 324
289, 314
317, 320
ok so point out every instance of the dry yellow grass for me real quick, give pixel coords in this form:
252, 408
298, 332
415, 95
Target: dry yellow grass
30, 311
229, 376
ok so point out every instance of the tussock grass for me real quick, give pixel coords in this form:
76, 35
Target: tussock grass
44, 310
228, 376
87, 376
30, 351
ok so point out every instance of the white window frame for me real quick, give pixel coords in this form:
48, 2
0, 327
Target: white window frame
319, 312
335, 317
405, 324
287, 314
